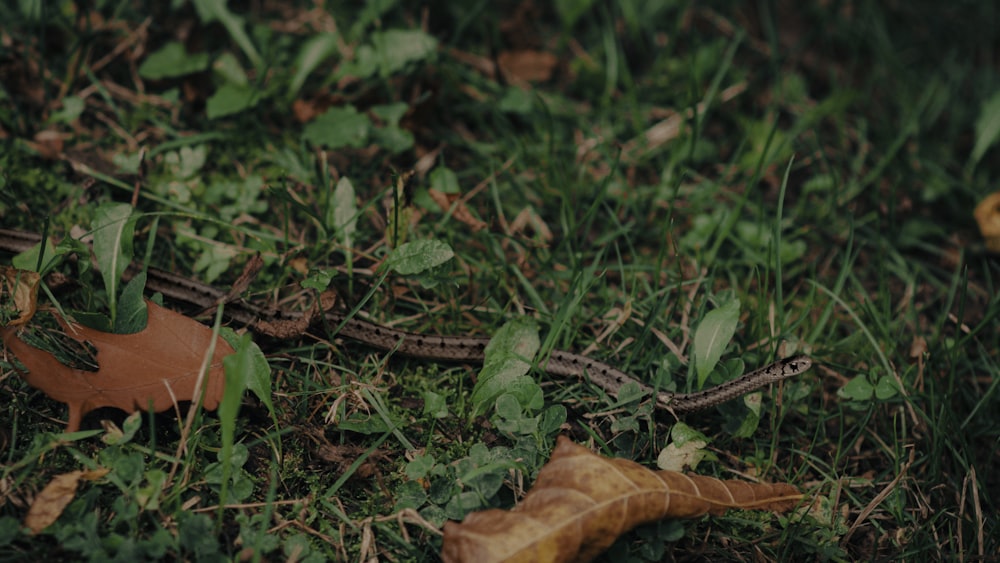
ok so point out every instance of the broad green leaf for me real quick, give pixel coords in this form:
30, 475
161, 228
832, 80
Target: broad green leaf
113, 226
228, 68
408, 495
237, 368
344, 209
445, 180
390, 113
148, 496
509, 407
32, 10
127, 163
319, 280
216, 10
420, 466
419, 256
570, 10
339, 127
51, 256
435, 405
503, 376
172, 60
517, 424
75, 436
552, 419
393, 139
229, 99
758, 240
751, 420
365, 64
214, 261
630, 392
187, 161
681, 434
463, 503
987, 128
712, 336
886, 388
527, 391
94, 320
364, 423
396, 48
516, 100
237, 371
258, 376
857, 389
72, 107
373, 10
132, 307
315, 50
506, 366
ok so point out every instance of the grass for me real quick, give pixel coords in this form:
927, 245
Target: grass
818, 164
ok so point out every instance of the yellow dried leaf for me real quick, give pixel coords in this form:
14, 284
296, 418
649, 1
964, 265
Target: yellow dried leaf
987, 214
50, 503
677, 458
18, 293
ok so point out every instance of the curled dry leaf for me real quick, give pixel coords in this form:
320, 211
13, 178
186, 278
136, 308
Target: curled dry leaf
18, 295
461, 211
582, 502
49, 503
151, 368
527, 66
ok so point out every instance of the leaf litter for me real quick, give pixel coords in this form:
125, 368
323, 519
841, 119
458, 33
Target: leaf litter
582, 502
152, 369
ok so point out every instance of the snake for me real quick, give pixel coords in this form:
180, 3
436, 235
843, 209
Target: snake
447, 348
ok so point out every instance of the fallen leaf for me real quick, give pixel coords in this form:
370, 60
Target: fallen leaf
987, 214
460, 211
287, 329
527, 65
152, 368
18, 295
48, 143
676, 457
582, 502
53, 499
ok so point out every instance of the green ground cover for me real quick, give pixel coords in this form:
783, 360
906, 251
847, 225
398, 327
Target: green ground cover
622, 174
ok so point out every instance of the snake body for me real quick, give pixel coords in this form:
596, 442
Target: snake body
469, 349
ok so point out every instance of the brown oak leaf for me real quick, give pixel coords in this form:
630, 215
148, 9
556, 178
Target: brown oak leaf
582, 502
152, 368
